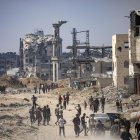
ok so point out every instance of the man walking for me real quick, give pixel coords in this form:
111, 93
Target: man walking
57, 113
44, 115
62, 123
76, 122
84, 124
32, 115
48, 113
34, 99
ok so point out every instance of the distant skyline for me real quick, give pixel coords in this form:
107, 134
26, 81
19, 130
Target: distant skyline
102, 18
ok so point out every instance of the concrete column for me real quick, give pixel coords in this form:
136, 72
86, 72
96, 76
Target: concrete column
53, 71
56, 71
53, 50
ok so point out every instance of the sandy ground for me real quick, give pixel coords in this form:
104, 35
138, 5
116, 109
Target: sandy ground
15, 106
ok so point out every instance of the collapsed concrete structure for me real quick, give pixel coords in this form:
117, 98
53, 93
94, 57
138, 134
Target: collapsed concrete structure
36, 51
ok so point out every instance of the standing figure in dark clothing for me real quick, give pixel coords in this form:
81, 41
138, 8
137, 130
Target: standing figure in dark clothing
78, 108
97, 103
44, 115
102, 103
127, 124
48, 113
32, 115
83, 122
76, 122
125, 135
90, 102
43, 88
46, 88
38, 115
60, 100
67, 98
117, 104
35, 89
34, 99
64, 101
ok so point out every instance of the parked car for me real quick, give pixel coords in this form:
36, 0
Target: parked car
114, 116
103, 117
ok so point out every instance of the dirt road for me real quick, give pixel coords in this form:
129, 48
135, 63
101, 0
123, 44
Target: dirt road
50, 132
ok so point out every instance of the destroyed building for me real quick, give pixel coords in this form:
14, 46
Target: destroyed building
134, 52
8, 61
36, 51
120, 60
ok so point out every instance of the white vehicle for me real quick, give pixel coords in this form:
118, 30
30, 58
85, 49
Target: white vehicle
104, 118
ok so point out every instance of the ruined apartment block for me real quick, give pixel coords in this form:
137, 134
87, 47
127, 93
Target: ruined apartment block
36, 51
134, 52
120, 60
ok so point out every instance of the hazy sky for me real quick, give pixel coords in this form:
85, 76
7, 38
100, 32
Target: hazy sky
102, 18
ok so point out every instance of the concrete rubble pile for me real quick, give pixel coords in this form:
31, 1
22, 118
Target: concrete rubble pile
10, 81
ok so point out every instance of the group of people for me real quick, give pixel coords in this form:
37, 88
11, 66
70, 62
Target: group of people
95, 104
82, 123
45, 88
63, 100
38, 114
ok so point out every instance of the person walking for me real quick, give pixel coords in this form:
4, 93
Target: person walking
34, 99
57, 113
48, 114
102, 103
62, 123
61, 111
126, 135
67, 98
38, 115
83, 122
76, 122
78, 108
85, 105
32, 115
44, 115
64, 102
60, 100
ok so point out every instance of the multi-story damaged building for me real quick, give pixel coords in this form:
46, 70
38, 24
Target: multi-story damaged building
120, 60
36, 51
134, 52
8, 61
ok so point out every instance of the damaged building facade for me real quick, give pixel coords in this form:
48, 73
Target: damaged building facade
120, 60
134, 52
36, 51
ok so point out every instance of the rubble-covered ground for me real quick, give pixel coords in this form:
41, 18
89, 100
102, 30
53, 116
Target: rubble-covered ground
14, 110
